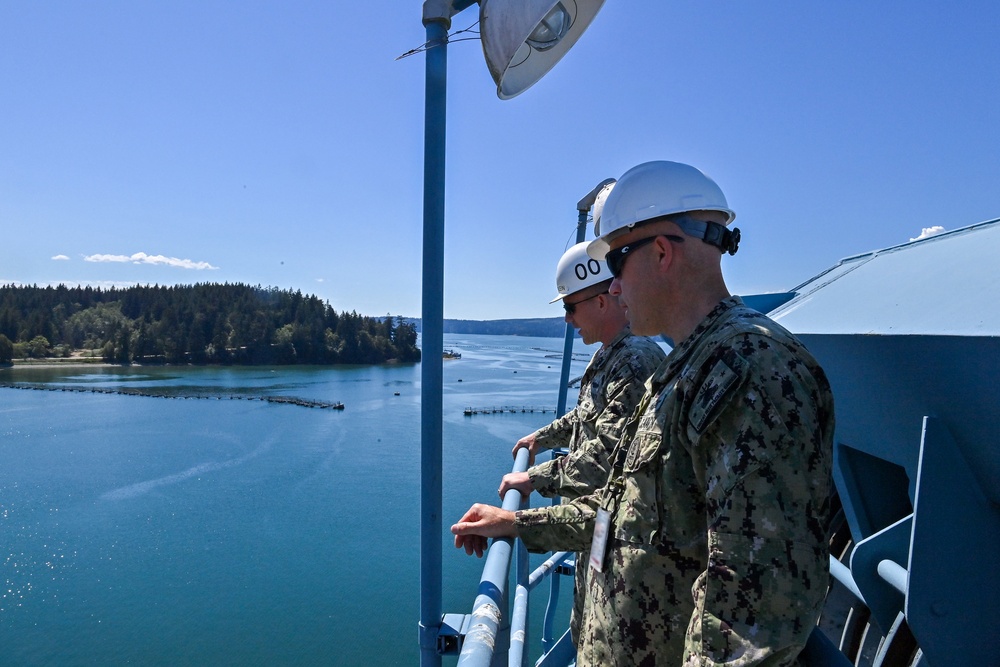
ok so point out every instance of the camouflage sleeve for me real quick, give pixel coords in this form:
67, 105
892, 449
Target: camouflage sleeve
758, 444
557, 433
586, 468
566, 527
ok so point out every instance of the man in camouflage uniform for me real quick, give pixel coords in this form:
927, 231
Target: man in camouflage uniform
609, 392
716, 507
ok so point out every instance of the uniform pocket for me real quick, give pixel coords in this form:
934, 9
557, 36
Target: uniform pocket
643, 450
586, 409
638, 515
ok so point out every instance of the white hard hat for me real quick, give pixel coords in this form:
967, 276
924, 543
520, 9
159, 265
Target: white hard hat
577, 270
602, 196
652, 190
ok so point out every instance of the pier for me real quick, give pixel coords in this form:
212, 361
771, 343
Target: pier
468, 412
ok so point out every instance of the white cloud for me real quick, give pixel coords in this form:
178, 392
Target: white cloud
159, 260
929, 231
60, 257
320, 280
106, 258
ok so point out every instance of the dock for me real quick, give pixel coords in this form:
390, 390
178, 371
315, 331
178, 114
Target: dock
505, 409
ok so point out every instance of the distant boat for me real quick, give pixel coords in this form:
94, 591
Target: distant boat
451, 354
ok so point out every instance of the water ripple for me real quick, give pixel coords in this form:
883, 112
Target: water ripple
142, 488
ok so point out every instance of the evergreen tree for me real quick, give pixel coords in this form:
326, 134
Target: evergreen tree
6, 350
203, 323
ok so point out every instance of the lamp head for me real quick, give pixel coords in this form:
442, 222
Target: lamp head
524, 39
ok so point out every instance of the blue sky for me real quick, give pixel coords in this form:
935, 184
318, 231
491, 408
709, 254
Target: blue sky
282, 143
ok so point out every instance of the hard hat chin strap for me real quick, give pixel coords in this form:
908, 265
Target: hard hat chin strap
712, 233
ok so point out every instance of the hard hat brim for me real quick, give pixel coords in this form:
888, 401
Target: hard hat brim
598, 248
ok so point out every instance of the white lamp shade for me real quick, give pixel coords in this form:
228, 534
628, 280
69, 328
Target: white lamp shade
553, 26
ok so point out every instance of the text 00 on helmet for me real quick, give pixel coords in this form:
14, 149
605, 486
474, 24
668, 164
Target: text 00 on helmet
577, 270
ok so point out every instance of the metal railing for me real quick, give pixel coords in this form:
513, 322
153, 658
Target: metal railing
485, 629
482, 636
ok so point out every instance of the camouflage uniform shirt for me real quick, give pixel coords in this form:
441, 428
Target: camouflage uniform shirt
611, 387
719, 494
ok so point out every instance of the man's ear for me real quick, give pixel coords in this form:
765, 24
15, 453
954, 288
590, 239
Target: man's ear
664, 250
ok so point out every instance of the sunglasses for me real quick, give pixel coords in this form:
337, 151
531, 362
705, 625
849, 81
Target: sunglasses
570, 308
615, 259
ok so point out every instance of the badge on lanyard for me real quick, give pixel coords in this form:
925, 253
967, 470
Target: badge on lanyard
600, 542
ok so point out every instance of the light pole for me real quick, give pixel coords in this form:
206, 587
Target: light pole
522, 40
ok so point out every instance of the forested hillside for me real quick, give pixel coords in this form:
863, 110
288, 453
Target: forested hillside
198, 324
547, 327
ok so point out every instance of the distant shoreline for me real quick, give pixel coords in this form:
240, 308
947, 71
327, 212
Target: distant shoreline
100, 363
59, 363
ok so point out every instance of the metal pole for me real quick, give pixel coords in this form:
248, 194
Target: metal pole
582, 208
432, 336
567, 359
581, 231
437, 15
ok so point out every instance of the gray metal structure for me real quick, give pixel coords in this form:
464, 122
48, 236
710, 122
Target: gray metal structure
910, 338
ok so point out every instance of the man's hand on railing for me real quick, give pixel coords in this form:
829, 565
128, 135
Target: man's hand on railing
516, 480
529, 442
479, 524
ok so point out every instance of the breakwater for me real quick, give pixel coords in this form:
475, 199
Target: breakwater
127, 391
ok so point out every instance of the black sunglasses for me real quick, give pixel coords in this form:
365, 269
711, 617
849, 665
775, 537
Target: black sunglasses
615, 259
570, 308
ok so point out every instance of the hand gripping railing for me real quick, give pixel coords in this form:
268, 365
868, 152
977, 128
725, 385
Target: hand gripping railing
484, 629
481, 638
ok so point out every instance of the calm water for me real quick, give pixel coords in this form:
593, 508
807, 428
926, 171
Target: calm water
141, 530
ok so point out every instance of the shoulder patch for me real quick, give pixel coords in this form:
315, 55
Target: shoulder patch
725, 374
